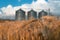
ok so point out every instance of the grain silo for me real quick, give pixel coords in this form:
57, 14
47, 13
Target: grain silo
42, 13
32, 14
20, 14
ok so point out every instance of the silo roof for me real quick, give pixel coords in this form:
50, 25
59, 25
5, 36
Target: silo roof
42, 11
20, 10
31, 10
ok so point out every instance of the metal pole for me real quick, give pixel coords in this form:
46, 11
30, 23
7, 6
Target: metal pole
26, 16
48, 12
37, 14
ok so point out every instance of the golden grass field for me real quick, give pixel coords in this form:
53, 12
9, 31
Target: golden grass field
34, 29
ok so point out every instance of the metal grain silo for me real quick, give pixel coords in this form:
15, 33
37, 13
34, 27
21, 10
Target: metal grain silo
20, 15
42, 13
32, 14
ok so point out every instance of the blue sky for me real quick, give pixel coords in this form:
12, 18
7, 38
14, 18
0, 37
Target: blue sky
4, 3
13, 2
9, 7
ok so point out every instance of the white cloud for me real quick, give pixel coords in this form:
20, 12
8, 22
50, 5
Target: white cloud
8, 10
55, 7
53, 0
0, 12
39, 4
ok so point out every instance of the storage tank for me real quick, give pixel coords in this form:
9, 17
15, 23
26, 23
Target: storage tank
42, 13
20, 14
32, 14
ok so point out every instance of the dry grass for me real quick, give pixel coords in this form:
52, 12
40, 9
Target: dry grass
33, 29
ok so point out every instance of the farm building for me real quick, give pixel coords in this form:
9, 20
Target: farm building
20, 15
32, 14
42, 13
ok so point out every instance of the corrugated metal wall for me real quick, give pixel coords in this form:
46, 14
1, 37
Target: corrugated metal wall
42, 13
32, 14
20, 15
